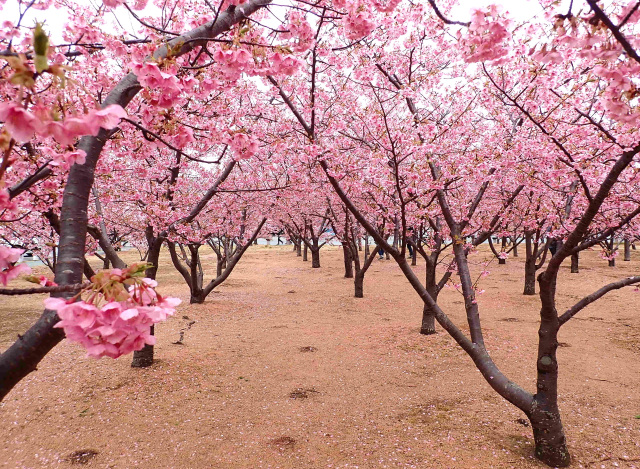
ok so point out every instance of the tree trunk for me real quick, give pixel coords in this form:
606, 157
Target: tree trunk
144, 358
358, 282
197, 297
428, 326
612, 262
315, 258
515, 248
544, 415
219, 267
530, 277
414, 257
548, 434
367, 252
305, 257
627, 250
299, 249
575, 263
348, 262
531, 252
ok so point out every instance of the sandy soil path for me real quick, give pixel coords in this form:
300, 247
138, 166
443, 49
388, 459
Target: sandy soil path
283, 368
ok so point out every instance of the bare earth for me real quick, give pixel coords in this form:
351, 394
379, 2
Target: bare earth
283, 368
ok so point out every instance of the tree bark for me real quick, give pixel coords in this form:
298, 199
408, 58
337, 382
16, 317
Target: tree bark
575, 263
144, 358
529, 277
548, 434
315, 258
428, 326
348, 262
358, 282
197, 298
305, 257
544, 415
627, 250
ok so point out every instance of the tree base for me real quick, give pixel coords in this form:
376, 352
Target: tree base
425, 331
556, 457
143, 358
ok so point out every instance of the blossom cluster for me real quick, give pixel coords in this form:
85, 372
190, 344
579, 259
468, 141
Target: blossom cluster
243, 145
166, 85
359, 22
117, 316
23, 124
486, 37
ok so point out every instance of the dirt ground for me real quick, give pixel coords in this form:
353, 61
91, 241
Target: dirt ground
283, 368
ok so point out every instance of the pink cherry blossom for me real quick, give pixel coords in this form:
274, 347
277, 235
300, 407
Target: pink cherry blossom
20, 123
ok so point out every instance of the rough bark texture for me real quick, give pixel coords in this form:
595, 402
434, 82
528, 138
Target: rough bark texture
548, 434
305, 256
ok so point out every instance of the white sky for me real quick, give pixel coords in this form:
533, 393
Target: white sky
54, 19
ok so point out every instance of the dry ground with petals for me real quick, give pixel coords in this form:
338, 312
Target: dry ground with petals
283, 368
